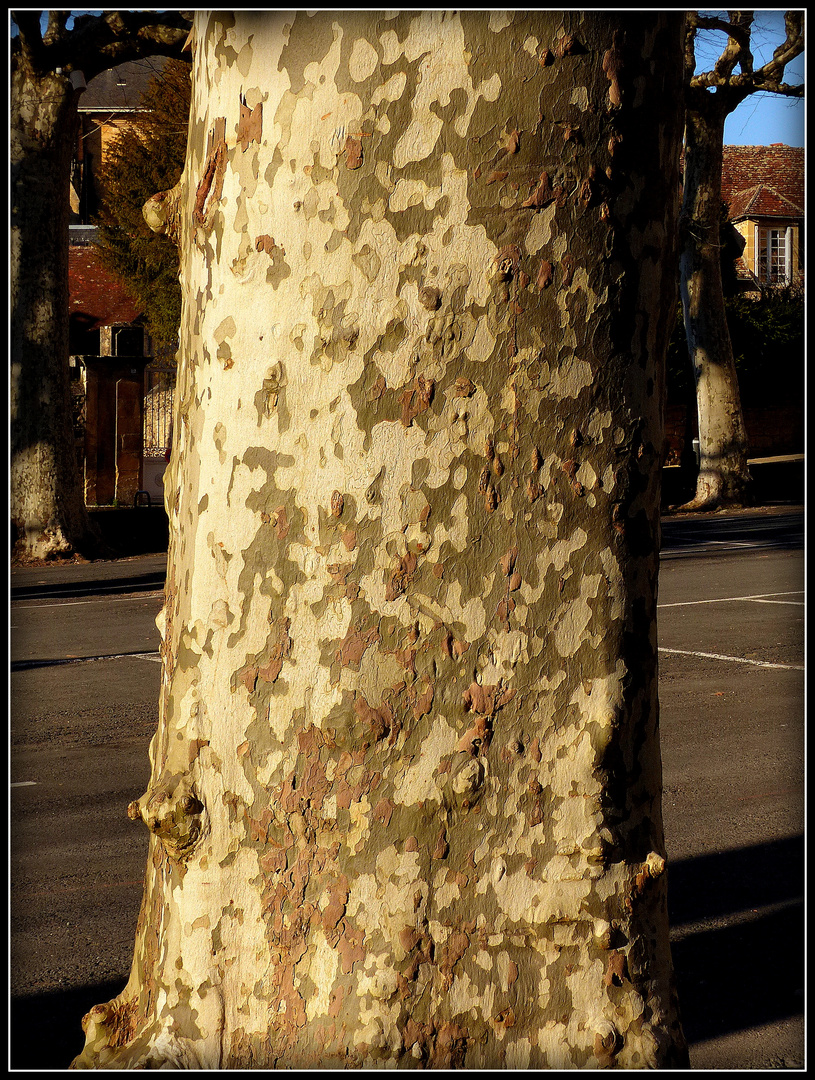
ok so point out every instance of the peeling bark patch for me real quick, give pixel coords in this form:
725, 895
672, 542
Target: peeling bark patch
210, 186
612, 66
280, 651
266, 243
545, 274
401, 577
353, 152
544, 194
354, 644
250, 124
615, 970
416, 399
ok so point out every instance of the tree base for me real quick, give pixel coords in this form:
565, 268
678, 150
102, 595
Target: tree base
32, 547
716, 491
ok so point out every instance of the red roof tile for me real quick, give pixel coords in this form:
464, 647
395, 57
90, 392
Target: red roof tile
763, 181
761, 201
95, 295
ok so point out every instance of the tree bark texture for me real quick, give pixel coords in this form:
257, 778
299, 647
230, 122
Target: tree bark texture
47, 500
724, 476
406, 784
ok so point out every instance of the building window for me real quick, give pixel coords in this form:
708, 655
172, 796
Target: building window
774, 261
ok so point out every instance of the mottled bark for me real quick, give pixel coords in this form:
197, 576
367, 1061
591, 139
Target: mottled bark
406, 784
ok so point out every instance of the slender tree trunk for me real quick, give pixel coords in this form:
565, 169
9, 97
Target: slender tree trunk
724, 477
406, 785
47, 499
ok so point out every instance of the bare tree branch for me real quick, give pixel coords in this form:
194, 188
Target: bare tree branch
56, 27
29, 38
736, 30
738, 52
690, 45
773, 71
99, 42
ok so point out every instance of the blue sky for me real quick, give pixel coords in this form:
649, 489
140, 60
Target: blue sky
763, 118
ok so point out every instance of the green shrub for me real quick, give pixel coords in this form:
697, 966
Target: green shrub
142, 160
767, 335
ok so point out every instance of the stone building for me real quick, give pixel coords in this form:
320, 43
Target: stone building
764, 189
108, 343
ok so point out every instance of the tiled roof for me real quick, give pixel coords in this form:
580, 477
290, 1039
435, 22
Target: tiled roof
763, 181
120, 87
761, 201
96, 297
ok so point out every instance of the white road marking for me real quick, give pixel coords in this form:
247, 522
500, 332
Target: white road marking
759, 598
734, 659
25, 783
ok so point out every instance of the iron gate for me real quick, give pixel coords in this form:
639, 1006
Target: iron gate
159, 387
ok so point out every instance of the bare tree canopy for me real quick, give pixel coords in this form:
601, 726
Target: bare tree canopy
738, 25
96, 43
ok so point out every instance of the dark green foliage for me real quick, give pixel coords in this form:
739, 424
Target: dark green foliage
768, 346
145, 158
767, 335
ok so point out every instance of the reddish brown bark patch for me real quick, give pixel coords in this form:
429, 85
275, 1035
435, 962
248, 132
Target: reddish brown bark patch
265, 243
612, 66
545, 274
544, 194
250, 124
279, 652
354, 156
416, 399
211, 184
353, 645
401, 577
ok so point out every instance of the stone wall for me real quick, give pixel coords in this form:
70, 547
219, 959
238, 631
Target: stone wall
771, 431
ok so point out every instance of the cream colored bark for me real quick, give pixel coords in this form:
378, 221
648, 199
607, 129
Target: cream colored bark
406, 780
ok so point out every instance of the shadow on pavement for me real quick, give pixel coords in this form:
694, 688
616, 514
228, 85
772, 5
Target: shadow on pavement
783, 528
45, 1030
737, 921
730, 976
104, 586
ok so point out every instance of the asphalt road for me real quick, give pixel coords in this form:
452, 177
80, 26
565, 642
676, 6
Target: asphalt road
731, 692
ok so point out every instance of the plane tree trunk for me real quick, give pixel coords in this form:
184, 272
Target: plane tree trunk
724, 476
405, 799
48, 512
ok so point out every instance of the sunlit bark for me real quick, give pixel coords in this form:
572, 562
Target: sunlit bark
405, 794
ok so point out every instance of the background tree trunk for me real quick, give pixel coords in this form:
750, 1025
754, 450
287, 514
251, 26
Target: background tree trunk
47, 497
724, 477
405, 795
